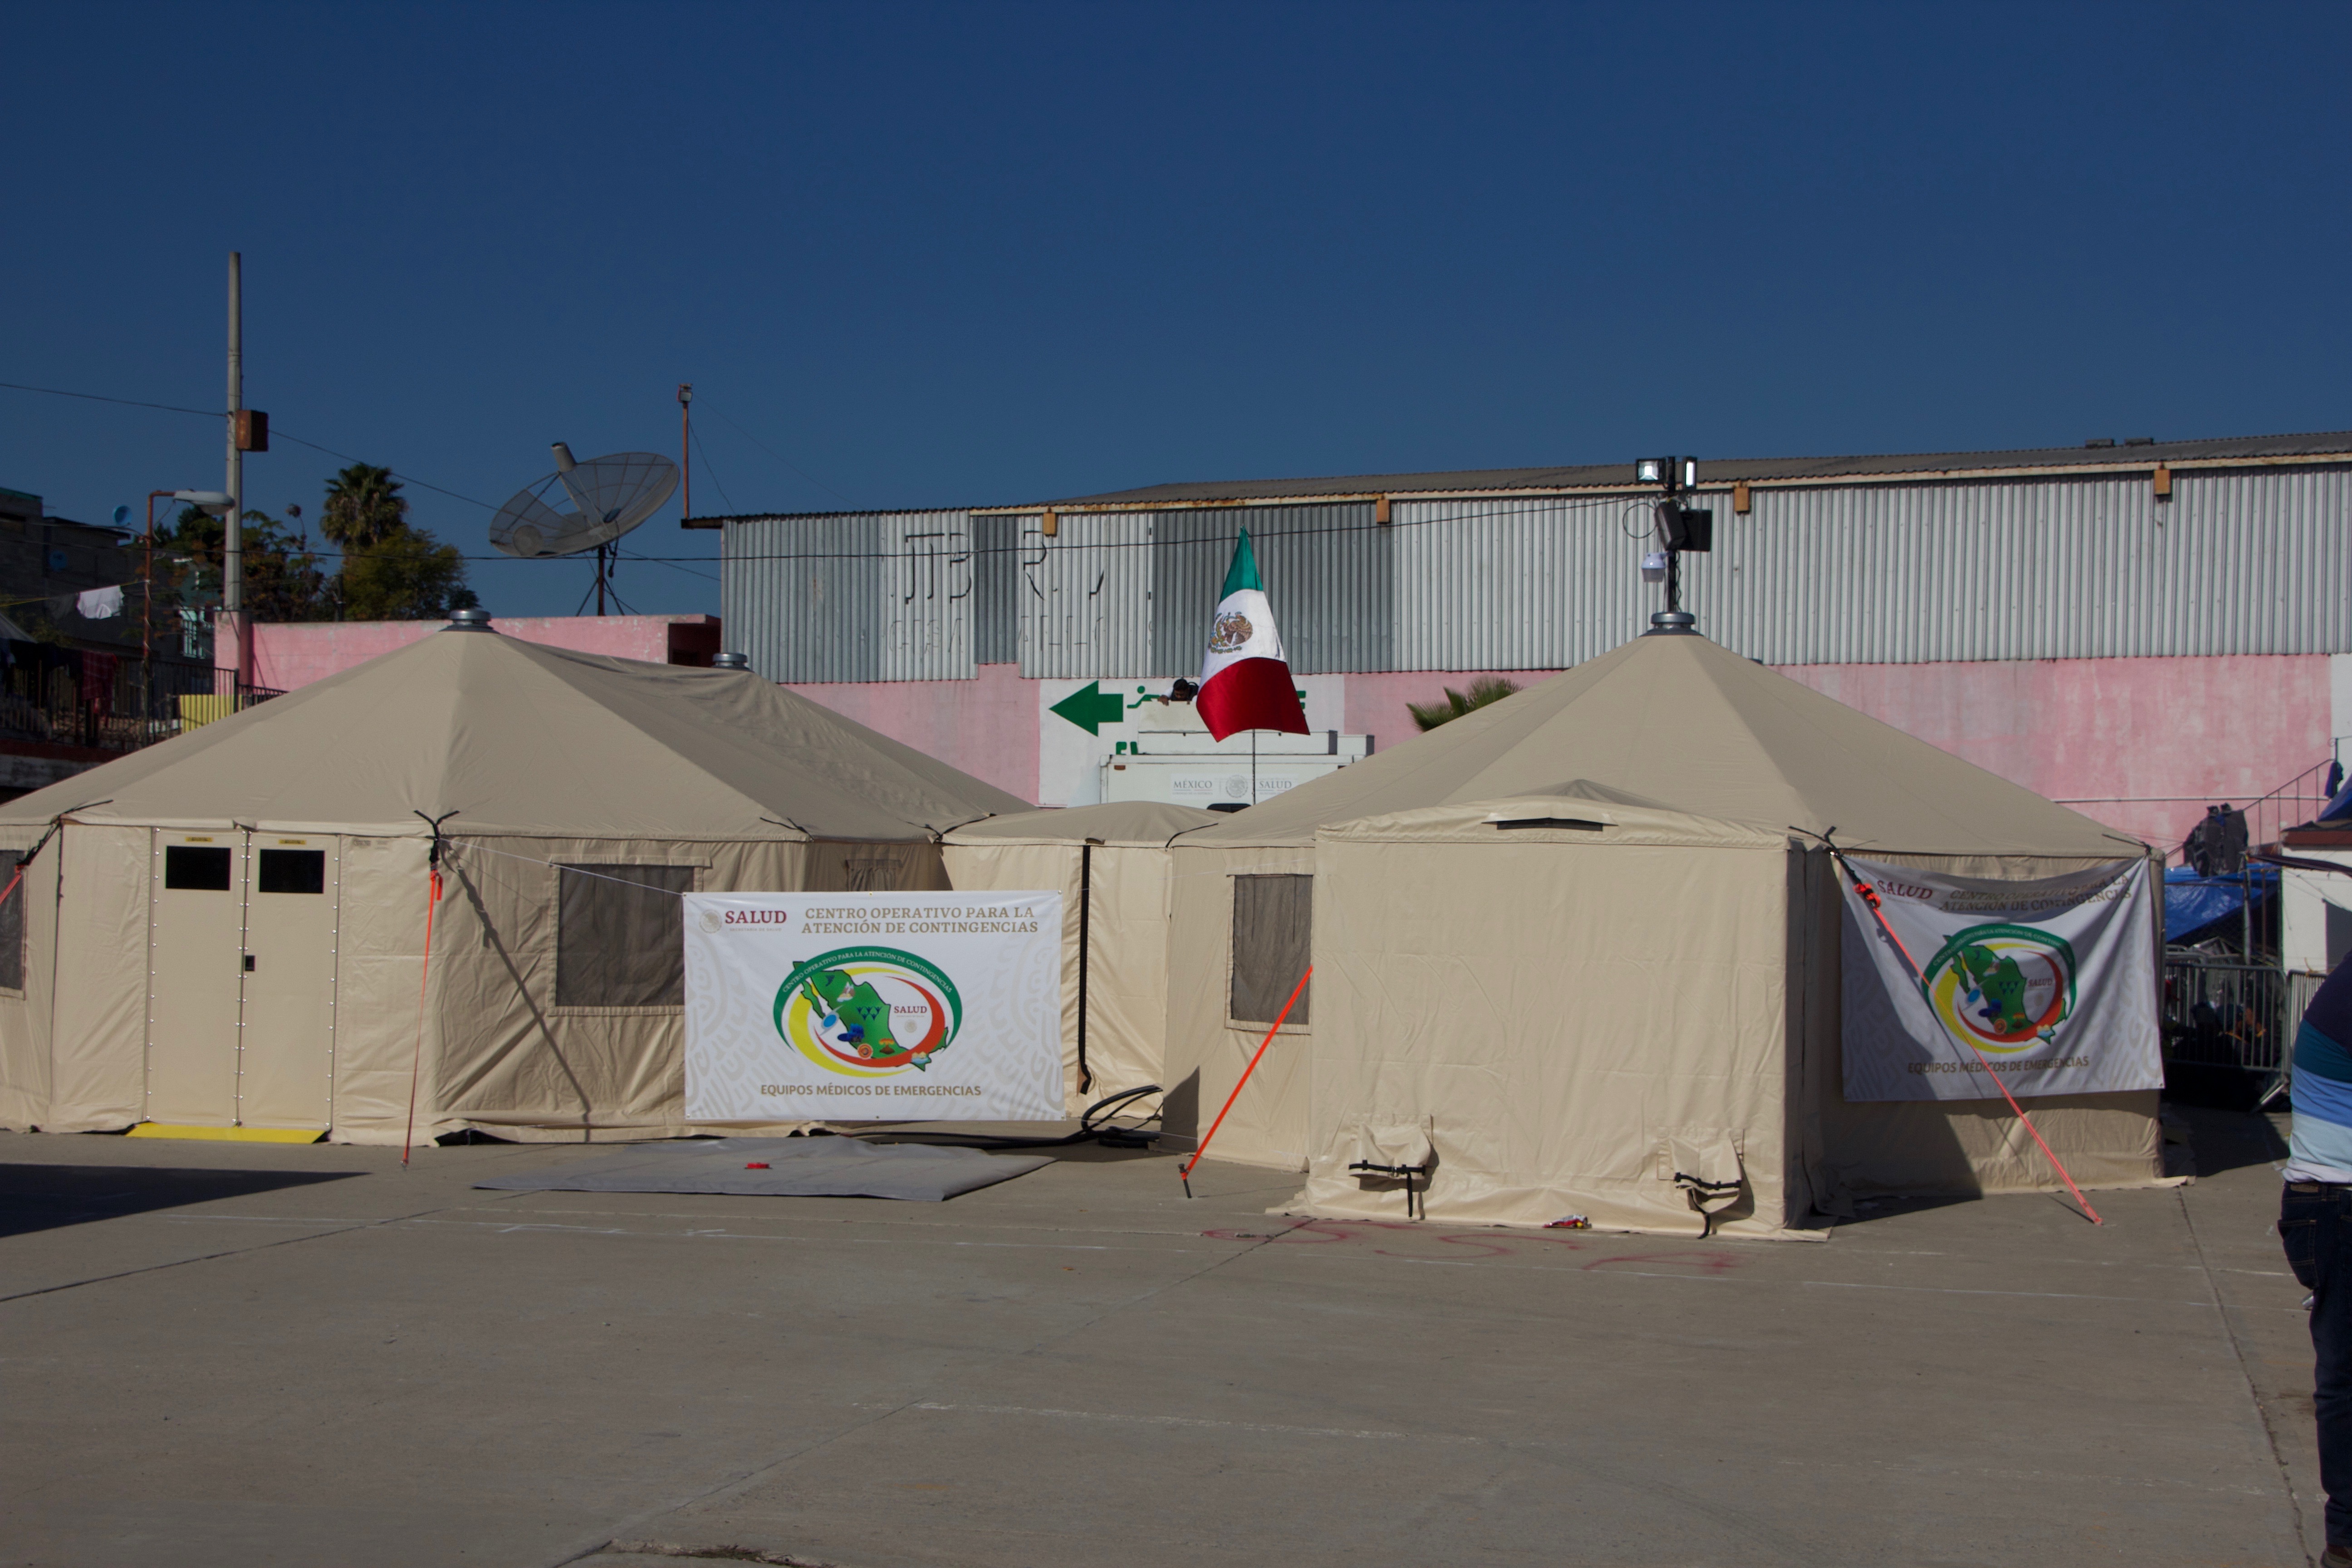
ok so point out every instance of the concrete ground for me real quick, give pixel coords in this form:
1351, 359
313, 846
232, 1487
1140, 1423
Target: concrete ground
245, 1354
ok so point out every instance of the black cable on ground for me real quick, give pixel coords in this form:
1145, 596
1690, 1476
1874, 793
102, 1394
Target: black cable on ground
1090, 1130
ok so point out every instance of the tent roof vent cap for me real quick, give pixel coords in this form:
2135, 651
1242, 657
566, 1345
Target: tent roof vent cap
1673, 624
470, 621
730, 661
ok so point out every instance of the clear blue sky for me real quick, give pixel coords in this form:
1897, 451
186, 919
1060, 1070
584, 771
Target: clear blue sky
916, 255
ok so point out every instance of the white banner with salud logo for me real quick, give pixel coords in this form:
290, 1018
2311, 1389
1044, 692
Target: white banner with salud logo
2053, 983
874, 1007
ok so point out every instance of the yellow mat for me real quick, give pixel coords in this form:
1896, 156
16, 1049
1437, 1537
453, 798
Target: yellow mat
230, 1134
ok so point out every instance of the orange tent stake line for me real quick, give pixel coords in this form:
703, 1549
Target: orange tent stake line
1870, 896
423, 974
1185, 1174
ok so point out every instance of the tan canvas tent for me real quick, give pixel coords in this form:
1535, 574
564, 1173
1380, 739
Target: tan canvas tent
1110, 864
227, 929
1666, 717
1572, 979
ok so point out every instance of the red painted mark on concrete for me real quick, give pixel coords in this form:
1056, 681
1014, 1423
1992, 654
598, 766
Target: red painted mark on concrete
1399, 1238
1699, 1263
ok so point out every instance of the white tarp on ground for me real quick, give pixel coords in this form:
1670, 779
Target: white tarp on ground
2053, 981
852, 1007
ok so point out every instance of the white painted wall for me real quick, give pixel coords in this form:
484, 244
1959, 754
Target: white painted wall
1070, 760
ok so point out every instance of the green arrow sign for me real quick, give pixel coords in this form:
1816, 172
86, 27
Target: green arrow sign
1090, 707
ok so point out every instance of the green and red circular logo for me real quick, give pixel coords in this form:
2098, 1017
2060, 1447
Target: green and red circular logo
868, 1012
2005, 988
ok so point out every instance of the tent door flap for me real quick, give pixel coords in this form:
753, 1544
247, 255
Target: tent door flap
286, 1075
241, 979
194, 937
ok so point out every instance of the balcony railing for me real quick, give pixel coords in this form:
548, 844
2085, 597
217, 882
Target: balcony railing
107, 701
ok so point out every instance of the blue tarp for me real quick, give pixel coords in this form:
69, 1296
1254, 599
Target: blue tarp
2192, 902
2339, 808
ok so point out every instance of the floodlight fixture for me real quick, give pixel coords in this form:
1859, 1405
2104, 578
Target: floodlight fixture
1652, 470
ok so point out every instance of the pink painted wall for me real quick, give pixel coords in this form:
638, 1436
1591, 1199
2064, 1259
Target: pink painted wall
296, 654
987, 726
2141, 744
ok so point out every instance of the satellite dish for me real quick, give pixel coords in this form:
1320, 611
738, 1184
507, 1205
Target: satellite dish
608, 497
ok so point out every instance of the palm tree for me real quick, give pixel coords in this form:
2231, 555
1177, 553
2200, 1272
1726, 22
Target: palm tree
1484, 689
364, 508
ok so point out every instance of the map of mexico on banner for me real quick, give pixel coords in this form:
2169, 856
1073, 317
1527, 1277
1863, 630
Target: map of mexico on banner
2053, 983
934, 1006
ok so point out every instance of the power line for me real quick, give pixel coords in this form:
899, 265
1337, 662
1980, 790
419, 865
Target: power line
672, 565
222, 413
1546, 505
126, 402
709, 471
781, 459
403, 479
1219, 540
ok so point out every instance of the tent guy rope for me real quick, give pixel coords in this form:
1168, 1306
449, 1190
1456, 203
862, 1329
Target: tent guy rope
1869, 895
1185, 1174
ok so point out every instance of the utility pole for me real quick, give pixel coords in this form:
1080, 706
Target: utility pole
686, 448
233, 525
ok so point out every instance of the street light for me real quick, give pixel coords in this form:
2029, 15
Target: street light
216, 502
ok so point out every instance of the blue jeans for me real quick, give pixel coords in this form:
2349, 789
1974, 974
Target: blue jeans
2316, 1227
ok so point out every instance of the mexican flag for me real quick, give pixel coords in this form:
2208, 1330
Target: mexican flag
1244, 683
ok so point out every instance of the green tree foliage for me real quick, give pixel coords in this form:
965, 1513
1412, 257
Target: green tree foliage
283, 581
405, 576
391, 571
1484, 689
364, 508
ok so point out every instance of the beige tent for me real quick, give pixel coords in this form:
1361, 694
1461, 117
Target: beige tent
1575, 979
1110, 864
1665, 718
227, 930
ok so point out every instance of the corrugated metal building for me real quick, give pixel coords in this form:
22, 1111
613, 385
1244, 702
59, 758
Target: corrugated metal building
2156, 551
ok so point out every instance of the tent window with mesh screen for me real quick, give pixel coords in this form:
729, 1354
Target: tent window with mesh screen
619, 940
1273, 920
11, 939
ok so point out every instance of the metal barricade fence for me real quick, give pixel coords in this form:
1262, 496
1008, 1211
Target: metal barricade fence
2230, 1017
108, 703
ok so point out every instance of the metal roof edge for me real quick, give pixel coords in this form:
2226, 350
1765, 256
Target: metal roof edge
2315, 449
719, 518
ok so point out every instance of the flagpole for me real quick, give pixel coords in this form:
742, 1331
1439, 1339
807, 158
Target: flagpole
1253, 767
